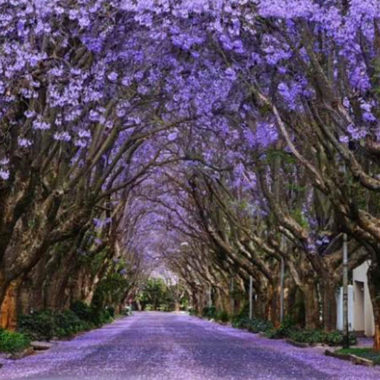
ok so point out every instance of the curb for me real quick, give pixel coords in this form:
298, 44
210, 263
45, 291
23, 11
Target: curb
299, 344
350, 357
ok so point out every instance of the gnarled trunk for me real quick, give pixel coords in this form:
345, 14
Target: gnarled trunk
309, 291
328, 291
8, 307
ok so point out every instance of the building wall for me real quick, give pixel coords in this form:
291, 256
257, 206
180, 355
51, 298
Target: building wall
363, 312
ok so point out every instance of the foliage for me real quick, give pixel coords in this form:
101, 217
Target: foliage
334, 338
285, 329
153, 294
209, 312
13, 341
288, 330
82, 310
254, 325
48, 324
222, 316
110, 290
67, 323
157, 295
193, 312
38, 325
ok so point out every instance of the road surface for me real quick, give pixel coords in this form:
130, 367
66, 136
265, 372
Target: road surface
176, 346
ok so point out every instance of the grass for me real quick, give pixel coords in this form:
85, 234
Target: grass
366, 353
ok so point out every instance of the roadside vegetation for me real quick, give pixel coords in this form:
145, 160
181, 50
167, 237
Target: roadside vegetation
45, 325
49, 324
287, 330
158, 295
366, 353
12, 342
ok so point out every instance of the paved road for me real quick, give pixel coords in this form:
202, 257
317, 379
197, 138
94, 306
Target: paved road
174, 346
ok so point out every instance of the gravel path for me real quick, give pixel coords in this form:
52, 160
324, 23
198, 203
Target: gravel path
175, 346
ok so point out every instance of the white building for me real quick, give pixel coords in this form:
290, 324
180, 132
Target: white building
360, 312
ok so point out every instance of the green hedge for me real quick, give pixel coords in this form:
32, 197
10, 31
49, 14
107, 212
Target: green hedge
288, 330
47, 324
253, 325
334, 338
222, 316
13, 341
209, 312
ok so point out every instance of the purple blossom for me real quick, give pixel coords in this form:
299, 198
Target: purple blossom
368, 116
4, 161
62, 136
25, 143
40, 124
231, 74
172, 136
4, 174
113, 76
29, 114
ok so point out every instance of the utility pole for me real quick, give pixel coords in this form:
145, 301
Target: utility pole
232, 296
250, 297
346, 340
282, 290
210, 296
282, 280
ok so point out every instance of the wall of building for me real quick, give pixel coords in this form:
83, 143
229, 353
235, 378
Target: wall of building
363, 312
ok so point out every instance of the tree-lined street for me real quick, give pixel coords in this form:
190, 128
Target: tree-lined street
219, 157
153, 345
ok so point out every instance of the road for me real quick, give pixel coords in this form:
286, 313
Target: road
176, 346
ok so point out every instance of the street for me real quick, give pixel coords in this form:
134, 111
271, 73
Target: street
154, 345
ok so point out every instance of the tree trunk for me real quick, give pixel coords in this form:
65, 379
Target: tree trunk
328, 289
8, 307
271, 310
309, 291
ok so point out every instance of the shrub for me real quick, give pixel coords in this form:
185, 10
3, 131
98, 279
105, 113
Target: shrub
38, 325
91, 314
254, 325
288, 330
260, 325
285, 330
308, 336
82, 310
100, 317
13, 341
46, 324
222, 316
240, 322
111, 311
334, 338
67, 323
209, 312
